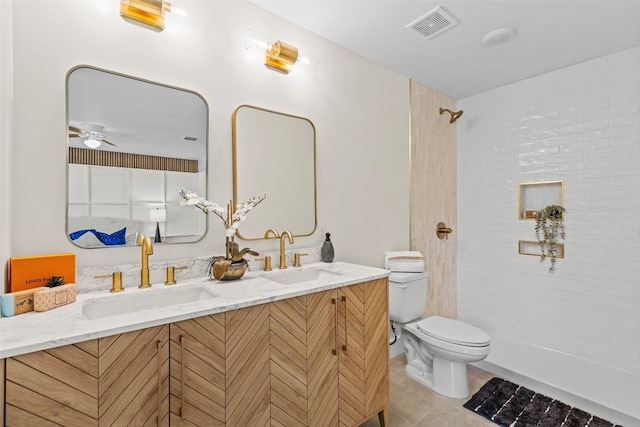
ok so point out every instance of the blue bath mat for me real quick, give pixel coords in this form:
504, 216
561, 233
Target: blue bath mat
510, 405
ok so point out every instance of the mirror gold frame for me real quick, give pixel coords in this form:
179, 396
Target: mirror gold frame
143, 160
281, 164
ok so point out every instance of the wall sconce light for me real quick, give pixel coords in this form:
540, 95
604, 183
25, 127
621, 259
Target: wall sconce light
149, 12
279, 56
157, 216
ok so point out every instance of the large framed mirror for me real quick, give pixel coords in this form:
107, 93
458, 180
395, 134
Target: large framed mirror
274, 154
132, 145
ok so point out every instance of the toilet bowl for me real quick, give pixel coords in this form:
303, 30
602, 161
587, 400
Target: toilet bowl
438, 349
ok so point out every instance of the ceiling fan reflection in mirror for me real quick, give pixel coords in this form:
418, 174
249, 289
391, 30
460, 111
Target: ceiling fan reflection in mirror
92, 133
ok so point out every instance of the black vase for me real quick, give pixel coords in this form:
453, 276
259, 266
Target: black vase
327, 253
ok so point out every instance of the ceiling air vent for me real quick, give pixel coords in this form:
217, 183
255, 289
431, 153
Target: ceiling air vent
433, 23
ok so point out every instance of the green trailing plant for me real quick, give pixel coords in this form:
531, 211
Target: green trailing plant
549, 229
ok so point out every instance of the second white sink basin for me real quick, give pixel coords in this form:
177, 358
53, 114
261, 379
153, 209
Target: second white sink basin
293, 277
114, 305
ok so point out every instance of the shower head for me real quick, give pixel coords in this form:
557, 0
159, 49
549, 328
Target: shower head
454, 114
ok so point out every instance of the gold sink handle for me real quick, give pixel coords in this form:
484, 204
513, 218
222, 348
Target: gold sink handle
267, 262
171, 274
296, 259
116, 280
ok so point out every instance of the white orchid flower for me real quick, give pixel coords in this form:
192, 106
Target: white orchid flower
242, 208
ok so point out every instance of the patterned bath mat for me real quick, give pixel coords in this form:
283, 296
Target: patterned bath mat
510, 405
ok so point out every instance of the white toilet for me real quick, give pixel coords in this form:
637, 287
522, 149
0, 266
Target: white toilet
438, 349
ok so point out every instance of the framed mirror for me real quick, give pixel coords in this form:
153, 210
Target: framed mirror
132, 145
274, 154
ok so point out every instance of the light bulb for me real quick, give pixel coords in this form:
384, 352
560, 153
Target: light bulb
92, 142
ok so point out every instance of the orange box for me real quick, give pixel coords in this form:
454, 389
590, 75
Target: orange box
27, 272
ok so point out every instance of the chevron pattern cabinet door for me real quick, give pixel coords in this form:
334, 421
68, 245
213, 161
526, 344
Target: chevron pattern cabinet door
53, 387
248, 395
364, 363
351, 333
134, 378
2, 364
376, 355
288, 354
322, 359
198, 372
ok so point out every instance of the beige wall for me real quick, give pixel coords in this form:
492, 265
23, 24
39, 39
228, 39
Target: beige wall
433, 195
359, 109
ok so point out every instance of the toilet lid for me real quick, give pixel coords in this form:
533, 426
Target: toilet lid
453, 331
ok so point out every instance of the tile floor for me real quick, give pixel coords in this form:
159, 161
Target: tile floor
413, 405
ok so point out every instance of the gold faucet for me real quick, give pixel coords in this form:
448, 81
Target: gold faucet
283, 258
147, 249
271, 231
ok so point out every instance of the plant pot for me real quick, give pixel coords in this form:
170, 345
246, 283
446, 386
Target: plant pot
224, 269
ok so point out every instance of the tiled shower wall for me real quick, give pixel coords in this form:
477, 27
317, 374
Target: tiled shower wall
580, 124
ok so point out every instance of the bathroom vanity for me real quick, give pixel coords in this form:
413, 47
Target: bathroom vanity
303, 347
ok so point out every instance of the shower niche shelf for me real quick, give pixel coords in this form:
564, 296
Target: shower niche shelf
531, 247
533, 196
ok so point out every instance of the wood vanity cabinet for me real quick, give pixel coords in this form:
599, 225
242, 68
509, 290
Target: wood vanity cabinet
220, 372
198, 371
316, 360
2, 365
330, 357
117, 380
363, 330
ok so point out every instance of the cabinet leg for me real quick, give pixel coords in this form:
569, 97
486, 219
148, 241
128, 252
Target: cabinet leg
383, 417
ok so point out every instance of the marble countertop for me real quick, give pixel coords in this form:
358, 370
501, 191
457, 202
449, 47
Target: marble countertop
70, 324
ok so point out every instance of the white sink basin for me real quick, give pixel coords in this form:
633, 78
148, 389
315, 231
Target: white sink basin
114, 305
293, 277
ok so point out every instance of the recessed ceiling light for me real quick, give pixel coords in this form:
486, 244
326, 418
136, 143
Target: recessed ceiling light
498, 36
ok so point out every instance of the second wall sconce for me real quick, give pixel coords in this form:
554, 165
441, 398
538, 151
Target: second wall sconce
149, 12
278, 55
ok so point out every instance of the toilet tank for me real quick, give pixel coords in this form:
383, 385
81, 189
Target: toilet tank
407, 296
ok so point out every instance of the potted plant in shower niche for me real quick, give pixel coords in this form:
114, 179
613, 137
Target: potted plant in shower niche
549, 229
232, 265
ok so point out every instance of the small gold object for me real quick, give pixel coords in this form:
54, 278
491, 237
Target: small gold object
147, 249
296, 259
171, 270
281, 56
442, 231
116, 280
455, 115
283, 257
267, 262
149, 12
271, 231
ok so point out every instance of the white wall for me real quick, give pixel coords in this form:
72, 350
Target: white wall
6, 99
359, 109
579, 328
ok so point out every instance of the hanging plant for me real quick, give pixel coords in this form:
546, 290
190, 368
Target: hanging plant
549, 229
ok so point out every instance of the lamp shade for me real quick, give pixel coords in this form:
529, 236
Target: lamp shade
92, 142
157, 215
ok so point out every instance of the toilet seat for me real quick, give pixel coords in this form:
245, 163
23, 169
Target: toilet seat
453, 332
